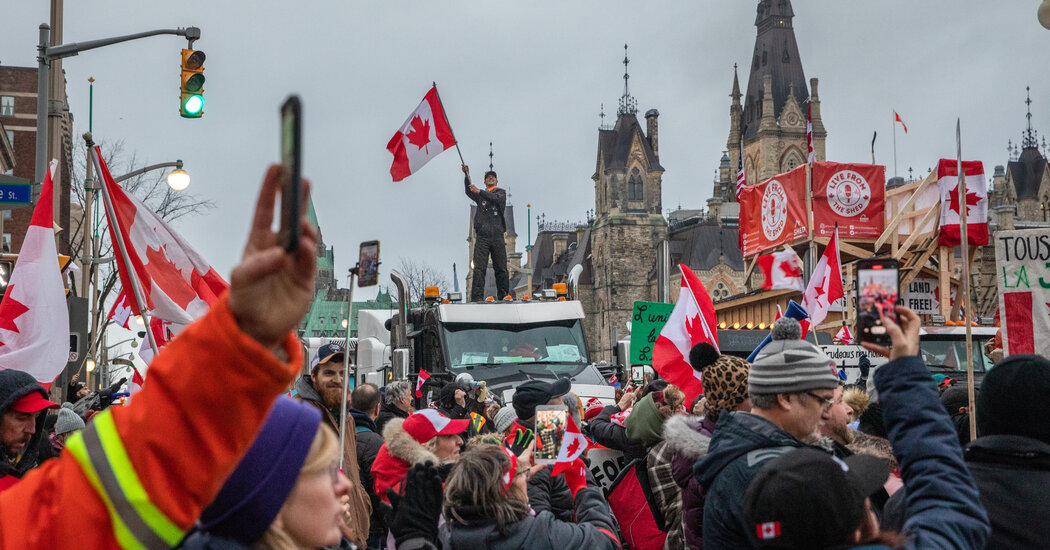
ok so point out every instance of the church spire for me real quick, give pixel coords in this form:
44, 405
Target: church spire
1029, 134
736, 87
776, 55
628, 105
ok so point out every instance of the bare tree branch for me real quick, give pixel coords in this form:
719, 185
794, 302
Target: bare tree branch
419, 275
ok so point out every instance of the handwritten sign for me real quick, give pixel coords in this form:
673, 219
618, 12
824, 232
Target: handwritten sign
646, 323
1022, 264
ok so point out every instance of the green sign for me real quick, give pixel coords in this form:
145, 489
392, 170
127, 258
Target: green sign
646, 323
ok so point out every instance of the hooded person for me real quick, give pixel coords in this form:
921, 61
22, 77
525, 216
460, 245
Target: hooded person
425, 436
22, 403
1010, 459
66, 424
284, 493
791, 383
956, 400
724, 378
322, 389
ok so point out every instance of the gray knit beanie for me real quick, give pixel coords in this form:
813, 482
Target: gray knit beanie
504, 418
68, 420
788, 364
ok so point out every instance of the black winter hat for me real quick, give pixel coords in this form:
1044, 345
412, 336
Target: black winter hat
16, 384
1013, 398
537, 392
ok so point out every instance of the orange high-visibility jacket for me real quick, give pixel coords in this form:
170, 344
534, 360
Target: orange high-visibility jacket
139, 476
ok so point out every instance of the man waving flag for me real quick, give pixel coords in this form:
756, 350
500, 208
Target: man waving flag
692, 321
424, 135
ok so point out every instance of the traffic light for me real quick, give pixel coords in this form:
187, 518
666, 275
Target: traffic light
191, 104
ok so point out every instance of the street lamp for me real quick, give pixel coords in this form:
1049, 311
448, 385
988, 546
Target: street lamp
90, 364
178, 179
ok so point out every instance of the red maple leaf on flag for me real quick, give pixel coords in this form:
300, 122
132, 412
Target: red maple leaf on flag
10, 310
971, 200
575, 445
791, 269
420, 134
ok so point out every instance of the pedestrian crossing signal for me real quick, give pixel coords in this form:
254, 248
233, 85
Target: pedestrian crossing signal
191, 104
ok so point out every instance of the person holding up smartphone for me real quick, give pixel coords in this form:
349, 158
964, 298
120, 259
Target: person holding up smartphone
489, 230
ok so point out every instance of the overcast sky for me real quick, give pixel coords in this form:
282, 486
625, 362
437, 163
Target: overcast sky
529, 77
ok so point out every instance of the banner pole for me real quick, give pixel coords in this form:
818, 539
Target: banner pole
111, 218
894, 143
964, 244
346, 364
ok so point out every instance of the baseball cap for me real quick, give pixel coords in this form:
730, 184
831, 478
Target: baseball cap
33, 402
326, 352
807, 498
427, 424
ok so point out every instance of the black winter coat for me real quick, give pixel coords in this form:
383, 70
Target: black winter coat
386, 412
368, 444
549, 493
614, 436
1013, 476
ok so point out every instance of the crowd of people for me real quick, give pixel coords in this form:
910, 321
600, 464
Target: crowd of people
776, 453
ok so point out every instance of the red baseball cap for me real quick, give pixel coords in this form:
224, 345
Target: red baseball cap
427, 424
32, 403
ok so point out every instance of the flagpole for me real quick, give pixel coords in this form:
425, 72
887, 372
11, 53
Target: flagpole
135, 283
346, 363
964, 244
451, 131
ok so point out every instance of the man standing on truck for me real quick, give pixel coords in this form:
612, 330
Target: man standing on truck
489, 229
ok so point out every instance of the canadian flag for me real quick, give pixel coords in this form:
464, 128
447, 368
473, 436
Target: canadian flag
976, 202
573, 443
161, 331
34, 320
897, 118
825, 286
844, 335
425, 135
179, 285
692, 321
120, 313
768, 530
423, 375
781, 270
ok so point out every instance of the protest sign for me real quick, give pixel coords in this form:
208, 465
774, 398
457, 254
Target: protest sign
646, 322
1022, 265
605, 466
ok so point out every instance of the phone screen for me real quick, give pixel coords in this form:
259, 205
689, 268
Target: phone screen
291, 177
877, 293
368, 264
550, 428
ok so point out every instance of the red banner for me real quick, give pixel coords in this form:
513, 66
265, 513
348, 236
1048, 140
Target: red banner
853, 195
773, 212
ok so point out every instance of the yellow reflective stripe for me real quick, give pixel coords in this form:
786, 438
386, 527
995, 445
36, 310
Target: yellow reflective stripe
124, 537
132, 488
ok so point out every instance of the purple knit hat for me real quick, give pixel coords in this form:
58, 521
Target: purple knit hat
253, 494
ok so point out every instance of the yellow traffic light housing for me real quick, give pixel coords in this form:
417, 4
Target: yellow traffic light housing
191, 103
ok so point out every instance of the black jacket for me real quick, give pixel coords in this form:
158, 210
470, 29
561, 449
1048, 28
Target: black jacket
386, 412
1013, 476
551, 494
614, 436
488, 218
368, 443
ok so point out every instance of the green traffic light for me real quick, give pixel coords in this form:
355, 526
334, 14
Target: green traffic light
193, 104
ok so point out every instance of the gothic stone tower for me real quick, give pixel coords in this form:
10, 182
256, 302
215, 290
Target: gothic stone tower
629, 224
771, 117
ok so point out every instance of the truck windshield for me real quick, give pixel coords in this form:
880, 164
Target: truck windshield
950, 355
558, 345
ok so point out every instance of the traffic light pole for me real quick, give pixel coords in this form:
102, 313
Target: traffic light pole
46, 54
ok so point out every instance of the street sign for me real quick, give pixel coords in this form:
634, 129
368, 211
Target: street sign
14, 194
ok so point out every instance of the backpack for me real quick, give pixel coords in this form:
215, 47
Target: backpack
642, 524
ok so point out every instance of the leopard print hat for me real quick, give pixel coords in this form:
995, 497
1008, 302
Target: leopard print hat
724, 378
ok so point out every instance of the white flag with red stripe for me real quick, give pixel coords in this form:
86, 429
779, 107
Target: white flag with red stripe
573, 443
825, 285
34, 320
179, 285
692, 321
782, 270
423, 375
976, 202
424, 135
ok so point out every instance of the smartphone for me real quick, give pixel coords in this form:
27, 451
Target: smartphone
550, 427
877, 292
368, 264
291, 178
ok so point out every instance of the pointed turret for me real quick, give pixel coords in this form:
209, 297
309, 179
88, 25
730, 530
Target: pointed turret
776, 55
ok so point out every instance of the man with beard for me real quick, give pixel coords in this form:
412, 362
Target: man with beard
22, 400
836, 426
323, 388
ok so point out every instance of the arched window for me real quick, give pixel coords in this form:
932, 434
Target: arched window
764, 57
634, 186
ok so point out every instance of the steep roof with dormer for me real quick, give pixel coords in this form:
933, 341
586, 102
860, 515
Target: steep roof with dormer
614, 146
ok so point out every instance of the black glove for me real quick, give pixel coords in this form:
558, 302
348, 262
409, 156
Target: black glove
415, 513
113, 388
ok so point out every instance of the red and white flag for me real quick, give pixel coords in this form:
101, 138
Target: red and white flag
162, 334
976, 202
34, 320
179, 285
425, 135
768, 530
423, 375
825, 286
812, 156
781, 270
897, 118
692, 321
573, 443
844, 335
120, 313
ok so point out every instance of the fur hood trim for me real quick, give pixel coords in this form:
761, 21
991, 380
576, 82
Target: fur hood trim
683, 439
401, 445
